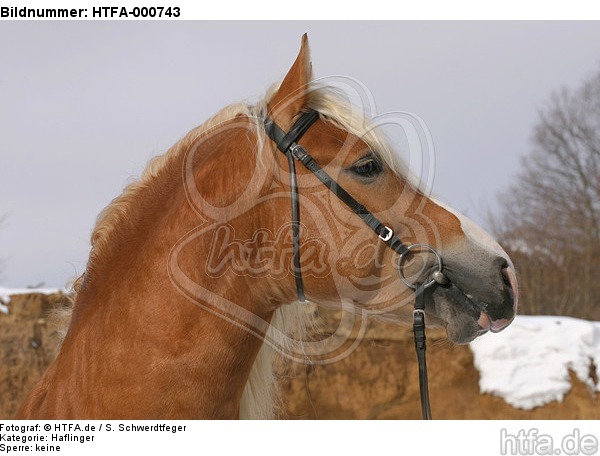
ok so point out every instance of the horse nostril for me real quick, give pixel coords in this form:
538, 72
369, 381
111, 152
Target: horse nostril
509, 278
505, 278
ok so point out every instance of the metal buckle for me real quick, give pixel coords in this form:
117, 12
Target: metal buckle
297, 151
403, 255
388, 235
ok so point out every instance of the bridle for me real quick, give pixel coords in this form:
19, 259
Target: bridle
288, 144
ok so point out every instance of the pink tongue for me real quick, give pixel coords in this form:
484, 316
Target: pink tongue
495, 326
484, 321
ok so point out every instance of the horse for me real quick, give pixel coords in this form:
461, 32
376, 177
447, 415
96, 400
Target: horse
191, 289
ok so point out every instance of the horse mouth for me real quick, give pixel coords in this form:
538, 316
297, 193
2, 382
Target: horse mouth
474, 303
464, 317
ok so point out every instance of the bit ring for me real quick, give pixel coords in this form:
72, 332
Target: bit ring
438, 259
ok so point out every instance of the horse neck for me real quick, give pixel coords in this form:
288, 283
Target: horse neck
156, 355
138, 348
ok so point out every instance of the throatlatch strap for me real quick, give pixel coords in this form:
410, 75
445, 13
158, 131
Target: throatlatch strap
420, 347
296, 228
285, 142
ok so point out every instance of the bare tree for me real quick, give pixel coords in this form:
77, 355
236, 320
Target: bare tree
550, 218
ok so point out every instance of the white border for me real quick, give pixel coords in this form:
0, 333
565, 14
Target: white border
349, 10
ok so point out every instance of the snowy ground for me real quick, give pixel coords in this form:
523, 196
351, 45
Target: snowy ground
6, 293
528, 364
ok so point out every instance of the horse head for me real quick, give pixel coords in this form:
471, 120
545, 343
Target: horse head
479, 290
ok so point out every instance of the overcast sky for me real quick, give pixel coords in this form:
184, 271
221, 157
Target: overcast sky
85, 105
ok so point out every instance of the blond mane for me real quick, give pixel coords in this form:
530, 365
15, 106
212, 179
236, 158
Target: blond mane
260, 397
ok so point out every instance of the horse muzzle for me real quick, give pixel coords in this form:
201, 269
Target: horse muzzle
483, 296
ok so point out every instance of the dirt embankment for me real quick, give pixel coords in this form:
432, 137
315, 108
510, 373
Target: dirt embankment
26, 347
379, 380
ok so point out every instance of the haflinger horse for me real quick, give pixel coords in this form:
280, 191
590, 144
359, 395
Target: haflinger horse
173, 317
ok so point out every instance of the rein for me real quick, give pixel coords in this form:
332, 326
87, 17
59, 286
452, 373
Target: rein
287, 143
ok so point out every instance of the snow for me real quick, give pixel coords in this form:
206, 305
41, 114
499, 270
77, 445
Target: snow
6, 293
528, 364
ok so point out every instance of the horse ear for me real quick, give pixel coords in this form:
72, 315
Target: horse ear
291, 96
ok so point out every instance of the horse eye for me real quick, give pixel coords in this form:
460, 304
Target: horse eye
367, 167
